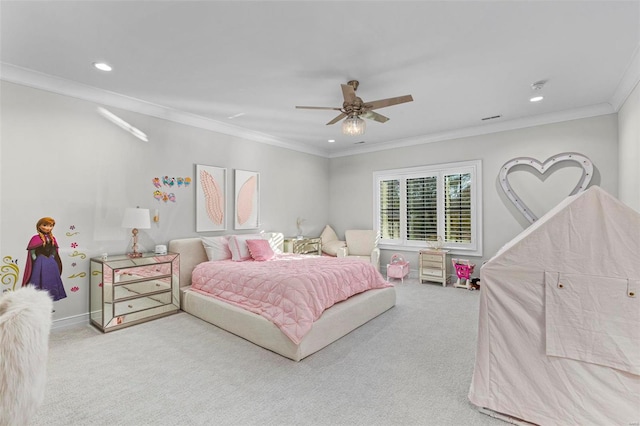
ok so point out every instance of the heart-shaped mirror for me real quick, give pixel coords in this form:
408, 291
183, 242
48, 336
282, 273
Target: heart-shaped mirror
542, 168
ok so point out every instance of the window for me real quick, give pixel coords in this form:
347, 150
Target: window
420, 204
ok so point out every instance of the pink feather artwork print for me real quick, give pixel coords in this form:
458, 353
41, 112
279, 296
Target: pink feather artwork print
213, 197
245, 199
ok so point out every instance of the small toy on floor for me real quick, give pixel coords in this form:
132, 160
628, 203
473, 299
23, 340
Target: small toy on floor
475, 284
397, 268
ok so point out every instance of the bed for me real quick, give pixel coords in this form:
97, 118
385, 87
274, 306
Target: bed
334, 323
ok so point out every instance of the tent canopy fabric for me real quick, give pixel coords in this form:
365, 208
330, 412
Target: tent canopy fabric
559, 323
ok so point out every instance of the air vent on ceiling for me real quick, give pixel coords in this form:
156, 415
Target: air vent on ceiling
493, 117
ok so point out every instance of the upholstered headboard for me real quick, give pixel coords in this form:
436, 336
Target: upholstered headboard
192, 253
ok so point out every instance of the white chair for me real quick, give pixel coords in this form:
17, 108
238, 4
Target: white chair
362, 244
25, 324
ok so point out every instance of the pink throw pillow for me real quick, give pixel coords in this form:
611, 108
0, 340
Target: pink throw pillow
260, 250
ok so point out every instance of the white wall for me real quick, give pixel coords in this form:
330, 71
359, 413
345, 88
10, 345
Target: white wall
629, 155
60, 158
351, 184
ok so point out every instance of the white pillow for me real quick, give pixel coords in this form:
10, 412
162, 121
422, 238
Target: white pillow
328, 235
331, 248
217, 248
239, 248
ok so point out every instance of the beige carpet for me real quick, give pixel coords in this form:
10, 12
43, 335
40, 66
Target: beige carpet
410, 366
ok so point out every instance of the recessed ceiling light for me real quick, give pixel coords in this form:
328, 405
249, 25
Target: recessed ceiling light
102, 66
537, 87
331, 140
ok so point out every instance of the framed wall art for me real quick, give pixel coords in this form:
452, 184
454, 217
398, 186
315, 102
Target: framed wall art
247, 199
211, 199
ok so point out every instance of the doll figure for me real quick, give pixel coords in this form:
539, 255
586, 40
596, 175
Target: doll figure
44, 267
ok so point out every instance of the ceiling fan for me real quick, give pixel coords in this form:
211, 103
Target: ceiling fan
353, 108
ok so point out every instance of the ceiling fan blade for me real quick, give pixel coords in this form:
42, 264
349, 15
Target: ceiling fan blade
388, 102
375, 116
338, 118
313, 107
348, 93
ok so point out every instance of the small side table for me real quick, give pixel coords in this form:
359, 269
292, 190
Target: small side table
305, 245
433, 266
125, 291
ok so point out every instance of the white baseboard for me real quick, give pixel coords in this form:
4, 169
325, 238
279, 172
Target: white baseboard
70, 321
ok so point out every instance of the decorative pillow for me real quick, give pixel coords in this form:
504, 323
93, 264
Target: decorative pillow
217, 248
328, 235
238, 246
331, 248
260, 250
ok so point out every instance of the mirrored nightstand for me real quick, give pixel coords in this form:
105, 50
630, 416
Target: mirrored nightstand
125, 291
305, 245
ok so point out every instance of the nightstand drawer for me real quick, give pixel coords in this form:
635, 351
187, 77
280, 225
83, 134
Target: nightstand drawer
437, 258
142, 272
432, 265
141, 288
141, 303
117, 292
120, 321
439, 273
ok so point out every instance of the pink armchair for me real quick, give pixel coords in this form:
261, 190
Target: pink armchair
361, 244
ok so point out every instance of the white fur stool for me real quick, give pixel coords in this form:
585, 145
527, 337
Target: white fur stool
25, 323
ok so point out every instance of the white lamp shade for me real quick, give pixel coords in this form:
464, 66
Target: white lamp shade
136, 218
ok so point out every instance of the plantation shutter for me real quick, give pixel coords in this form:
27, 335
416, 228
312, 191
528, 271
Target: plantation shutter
422, 208
457, 208
389, 209
418, 205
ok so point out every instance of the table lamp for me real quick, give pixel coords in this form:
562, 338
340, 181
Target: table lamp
136, 218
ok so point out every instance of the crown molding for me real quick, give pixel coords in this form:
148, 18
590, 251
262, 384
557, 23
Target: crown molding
30, 78
515, 124
628, 82
61, 86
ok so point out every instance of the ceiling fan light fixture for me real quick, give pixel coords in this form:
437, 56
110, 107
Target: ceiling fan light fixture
353, 126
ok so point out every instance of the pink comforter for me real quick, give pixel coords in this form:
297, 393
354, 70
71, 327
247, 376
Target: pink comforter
291, 291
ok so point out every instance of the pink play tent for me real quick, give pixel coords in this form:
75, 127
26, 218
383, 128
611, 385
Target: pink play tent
559, 325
